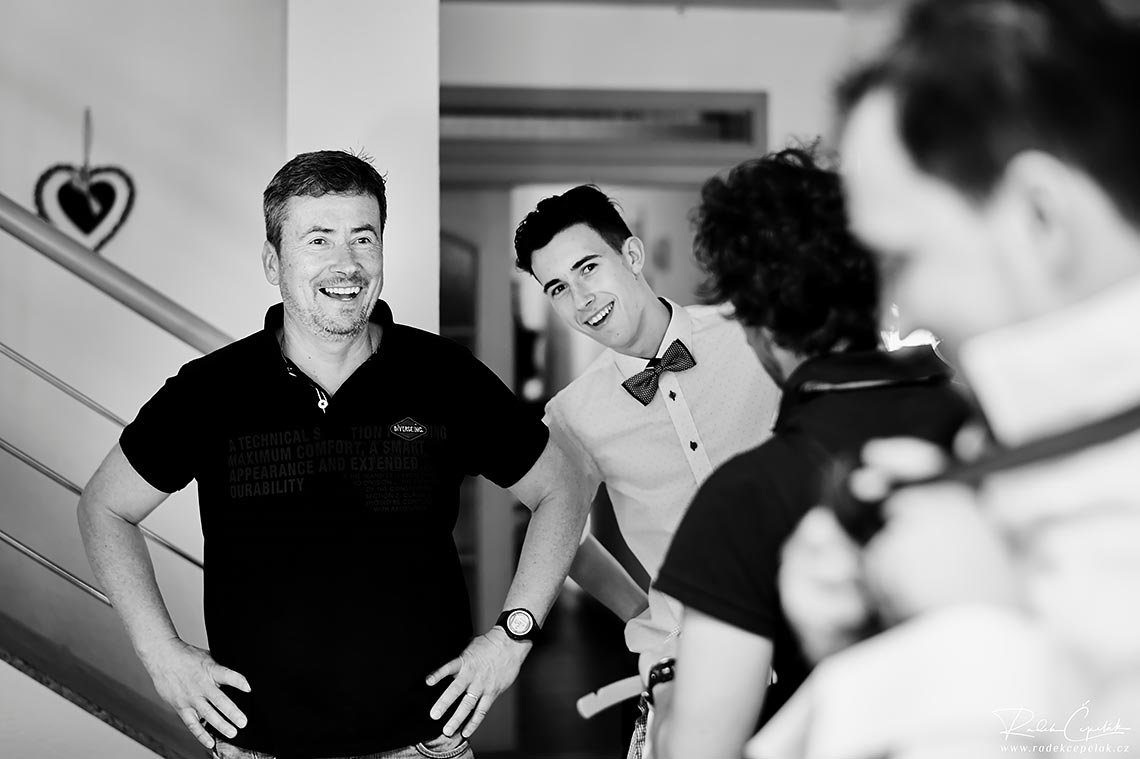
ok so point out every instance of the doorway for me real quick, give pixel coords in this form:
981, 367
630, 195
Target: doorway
501, 152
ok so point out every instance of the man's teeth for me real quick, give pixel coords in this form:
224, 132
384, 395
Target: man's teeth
341, 290
597, 318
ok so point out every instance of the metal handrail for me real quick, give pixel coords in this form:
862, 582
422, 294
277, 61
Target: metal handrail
50, 565
114, 281
59, 479
50, 378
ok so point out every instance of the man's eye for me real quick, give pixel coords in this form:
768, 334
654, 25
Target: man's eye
364, 241
557, 290
589, 268
317, 241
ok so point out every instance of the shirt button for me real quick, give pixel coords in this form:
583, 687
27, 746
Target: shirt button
693, 444
672, 395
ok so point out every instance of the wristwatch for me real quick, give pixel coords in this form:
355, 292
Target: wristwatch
520, 624
661, 672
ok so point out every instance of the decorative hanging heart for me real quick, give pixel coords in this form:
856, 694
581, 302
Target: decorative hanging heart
90, 211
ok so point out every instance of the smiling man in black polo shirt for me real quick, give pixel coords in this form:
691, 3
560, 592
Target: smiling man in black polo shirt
329, 449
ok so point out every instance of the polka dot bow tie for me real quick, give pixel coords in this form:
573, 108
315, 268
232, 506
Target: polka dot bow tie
643, 385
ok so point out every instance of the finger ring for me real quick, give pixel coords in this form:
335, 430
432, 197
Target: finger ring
472, 695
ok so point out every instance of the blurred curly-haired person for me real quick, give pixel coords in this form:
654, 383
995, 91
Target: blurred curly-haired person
774, 239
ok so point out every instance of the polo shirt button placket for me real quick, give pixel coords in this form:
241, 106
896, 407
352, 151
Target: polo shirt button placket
322, 398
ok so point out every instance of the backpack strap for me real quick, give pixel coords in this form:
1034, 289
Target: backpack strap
862, 520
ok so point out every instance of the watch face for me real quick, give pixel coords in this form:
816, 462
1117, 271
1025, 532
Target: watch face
519, 623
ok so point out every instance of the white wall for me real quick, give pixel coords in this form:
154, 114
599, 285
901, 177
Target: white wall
791, 55
188, 99
363, 74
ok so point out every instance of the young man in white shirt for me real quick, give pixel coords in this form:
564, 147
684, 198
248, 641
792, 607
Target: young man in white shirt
676, 393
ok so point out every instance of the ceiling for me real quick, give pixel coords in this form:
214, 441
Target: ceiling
1125, 7
782, 4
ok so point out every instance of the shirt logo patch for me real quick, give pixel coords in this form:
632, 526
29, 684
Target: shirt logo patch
408, 428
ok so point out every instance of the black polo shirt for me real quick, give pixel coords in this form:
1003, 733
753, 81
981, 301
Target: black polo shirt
725, 554
332, 581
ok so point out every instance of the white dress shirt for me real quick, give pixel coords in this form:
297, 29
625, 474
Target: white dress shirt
653, 458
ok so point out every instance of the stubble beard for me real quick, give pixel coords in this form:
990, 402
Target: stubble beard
327, 327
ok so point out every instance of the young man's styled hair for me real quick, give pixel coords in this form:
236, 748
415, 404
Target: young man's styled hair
774, 239
316, 174
978, 81
585, 204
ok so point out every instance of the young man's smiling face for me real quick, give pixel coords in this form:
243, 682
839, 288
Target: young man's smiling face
330, 266
597, 290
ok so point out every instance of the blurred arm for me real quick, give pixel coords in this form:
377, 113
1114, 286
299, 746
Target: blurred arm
602, 576
722, 675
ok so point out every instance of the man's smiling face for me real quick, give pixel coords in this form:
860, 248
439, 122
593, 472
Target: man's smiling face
330, 266
953, 265
593, 288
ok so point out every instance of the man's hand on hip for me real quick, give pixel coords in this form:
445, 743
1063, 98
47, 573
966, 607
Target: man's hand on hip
188, 679
485, 669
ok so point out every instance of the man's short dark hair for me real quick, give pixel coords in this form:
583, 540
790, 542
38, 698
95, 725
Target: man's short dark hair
316, 174
773, 237
585, 204
978, 81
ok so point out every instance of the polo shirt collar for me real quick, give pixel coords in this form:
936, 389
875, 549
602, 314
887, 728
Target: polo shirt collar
860, 370
680, 328
843, 371
275, 321
1060, 370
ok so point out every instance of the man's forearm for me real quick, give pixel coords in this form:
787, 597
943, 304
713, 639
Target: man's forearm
548, 549
184, 676
717, 694
491, 661
119, 557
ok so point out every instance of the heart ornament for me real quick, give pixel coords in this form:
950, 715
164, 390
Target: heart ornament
87, 204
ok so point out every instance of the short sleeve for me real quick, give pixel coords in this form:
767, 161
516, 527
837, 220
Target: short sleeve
503, 437
566, 437
162, 441
725, 554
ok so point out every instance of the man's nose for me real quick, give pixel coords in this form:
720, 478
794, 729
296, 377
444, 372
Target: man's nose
344, 259
582, 297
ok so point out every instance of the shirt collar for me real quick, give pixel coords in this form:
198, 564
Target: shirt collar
855, 369
680, 328
1060, 370
859, 370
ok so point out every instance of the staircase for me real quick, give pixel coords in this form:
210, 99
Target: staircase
68, 673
